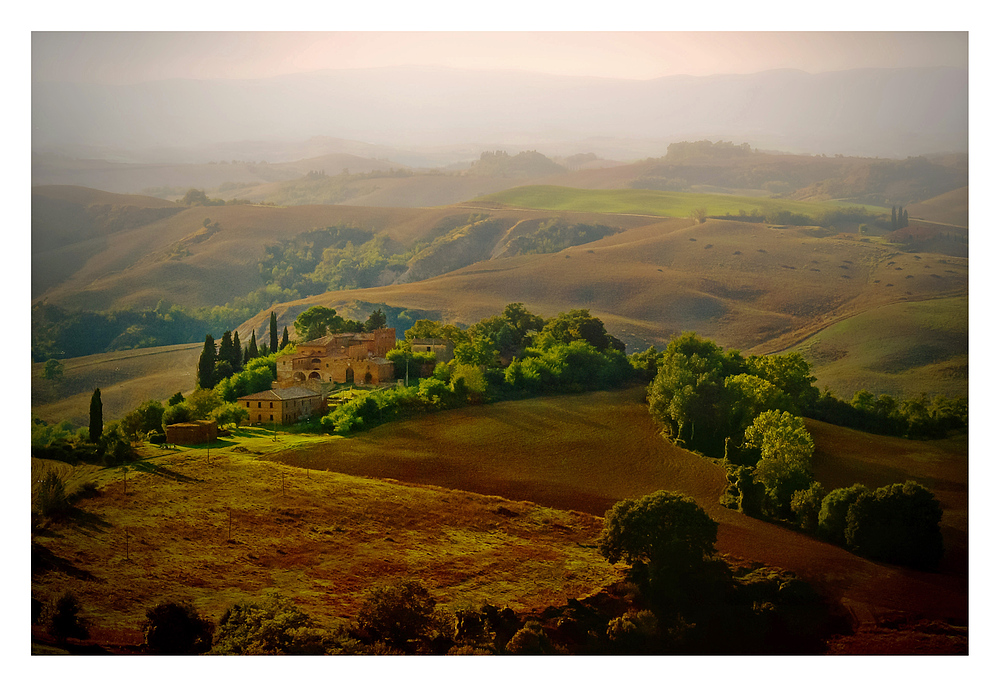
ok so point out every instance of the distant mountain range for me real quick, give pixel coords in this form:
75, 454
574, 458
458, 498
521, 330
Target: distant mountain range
430, 116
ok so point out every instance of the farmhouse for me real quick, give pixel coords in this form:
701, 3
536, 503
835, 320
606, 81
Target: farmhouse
352, 358
284, 406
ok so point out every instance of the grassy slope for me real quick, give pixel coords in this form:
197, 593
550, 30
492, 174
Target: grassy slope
126, 379
325, 540
925, 350
948, 208
317, 537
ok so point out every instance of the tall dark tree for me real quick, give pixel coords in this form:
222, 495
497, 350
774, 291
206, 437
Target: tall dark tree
206, 364
96, 416
237, 352
253, 345
274, 332
284, 338
895, 226
226, 352
906, 219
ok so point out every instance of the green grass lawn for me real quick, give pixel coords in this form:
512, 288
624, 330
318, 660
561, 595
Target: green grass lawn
646, 202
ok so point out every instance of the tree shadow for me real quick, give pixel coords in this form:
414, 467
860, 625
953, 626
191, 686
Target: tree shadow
161, 471
43, 561
81, 520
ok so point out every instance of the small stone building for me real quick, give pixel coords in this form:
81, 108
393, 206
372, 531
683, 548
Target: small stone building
192, 433
443, 349
283, 406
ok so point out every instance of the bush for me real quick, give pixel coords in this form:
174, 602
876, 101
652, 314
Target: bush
176, 629
899, 523
397, 614
271, 626
832, 519
531, 640
634, 632
806, 504
64, 621
52, 500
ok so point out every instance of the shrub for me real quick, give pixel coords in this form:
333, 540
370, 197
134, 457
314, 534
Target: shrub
397, 614
52, 500
531, 640
176, 629
64, 621
806, 504
273, 625
633, 632
832, 520
899, 523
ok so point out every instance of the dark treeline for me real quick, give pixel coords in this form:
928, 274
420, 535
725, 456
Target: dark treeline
748, 413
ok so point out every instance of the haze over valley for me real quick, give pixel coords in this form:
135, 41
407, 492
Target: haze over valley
629, 252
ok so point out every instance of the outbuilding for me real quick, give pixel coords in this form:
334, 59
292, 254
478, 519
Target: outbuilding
282, 406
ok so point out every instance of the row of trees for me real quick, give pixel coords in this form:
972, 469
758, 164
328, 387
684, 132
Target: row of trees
218, 364
747, 412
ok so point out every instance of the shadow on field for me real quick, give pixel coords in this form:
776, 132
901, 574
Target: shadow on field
43, 561
160, 471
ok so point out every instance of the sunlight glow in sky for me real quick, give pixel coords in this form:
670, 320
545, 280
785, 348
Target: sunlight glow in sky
133, 57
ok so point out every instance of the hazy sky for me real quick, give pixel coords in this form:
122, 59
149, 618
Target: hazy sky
132, 57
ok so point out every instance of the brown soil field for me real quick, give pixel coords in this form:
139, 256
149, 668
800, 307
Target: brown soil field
950, 208
587, 452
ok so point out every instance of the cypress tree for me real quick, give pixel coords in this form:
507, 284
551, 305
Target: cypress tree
274, 333
906, 219
96, 416
284, 338
894, 225
253, 345
237, 352
226, 349
206, 364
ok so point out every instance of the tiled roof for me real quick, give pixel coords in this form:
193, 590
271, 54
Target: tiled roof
291, 392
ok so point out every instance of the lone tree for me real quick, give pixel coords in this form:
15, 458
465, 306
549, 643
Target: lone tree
53, 370
206, 364
284, 337
96, 416
669, 541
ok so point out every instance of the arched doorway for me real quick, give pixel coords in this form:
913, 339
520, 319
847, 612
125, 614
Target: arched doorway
349, 376
368, 377
314, 375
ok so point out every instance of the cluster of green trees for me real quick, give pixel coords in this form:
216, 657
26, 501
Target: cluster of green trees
511, 355
748, 412
555, 235
216, 365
